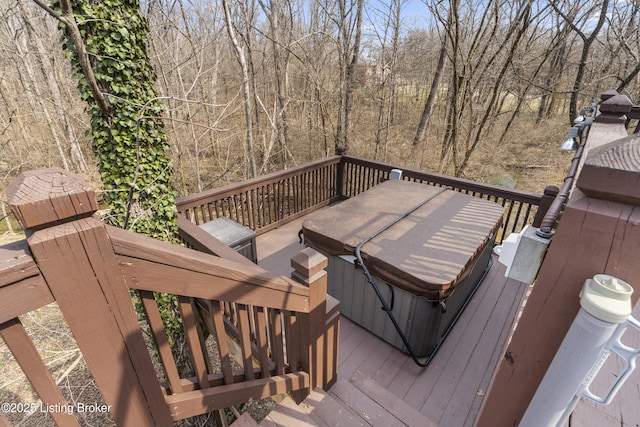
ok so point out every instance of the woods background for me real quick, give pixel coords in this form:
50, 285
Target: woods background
485, 90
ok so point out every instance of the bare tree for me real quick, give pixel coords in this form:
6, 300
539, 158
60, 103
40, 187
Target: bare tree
389, 40
349, 37
246, 87
589, 35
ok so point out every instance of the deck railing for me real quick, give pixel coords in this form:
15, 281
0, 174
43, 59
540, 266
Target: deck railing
520, 206
267, 202
70, 257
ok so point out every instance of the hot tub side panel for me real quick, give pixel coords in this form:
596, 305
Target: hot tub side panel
423, 322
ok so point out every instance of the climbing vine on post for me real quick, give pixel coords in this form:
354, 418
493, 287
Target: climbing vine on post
106, 42
126, 126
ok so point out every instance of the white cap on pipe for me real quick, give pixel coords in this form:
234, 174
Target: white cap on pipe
607, 298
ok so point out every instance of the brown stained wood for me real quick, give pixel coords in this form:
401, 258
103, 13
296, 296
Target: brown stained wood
201, 401
27, 356
4, 422
275, 332
262, 340
287, 413
308, 267
325, 410
22, 297
159, 266
245, 420
593, 237
162, 341
78, 263
394, 405
215, 380
42, 197
245, 341
612, 171
366, 408
189, 324
292, 329
217, 317
225, 191
331, 346
202, 241
16, 263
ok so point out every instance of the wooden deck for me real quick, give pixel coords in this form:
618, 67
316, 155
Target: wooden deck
450, 390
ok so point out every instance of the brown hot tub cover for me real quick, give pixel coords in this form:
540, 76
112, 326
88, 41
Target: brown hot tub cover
426, 253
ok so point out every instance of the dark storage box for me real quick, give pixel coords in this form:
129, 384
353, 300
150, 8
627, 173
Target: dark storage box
234, 235
429, 262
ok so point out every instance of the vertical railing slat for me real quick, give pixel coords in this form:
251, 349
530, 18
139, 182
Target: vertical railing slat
162, 341
220, 335
245, 341
27, 356
197, 352
261, 340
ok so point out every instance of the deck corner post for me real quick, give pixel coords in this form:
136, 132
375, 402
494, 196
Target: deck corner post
614, 108
308, 269
548, 196
76, 258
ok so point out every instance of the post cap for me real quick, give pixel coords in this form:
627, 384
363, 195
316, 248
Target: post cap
46, 197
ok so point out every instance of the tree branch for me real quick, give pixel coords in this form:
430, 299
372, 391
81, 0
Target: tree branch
67, 18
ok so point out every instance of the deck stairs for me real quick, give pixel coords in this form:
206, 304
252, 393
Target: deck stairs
359, 401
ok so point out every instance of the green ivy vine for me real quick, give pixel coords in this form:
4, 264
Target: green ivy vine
128, 140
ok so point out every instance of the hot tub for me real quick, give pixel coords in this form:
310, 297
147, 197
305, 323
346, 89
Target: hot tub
426, 264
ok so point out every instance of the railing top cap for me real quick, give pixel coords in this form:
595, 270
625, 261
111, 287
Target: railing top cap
616, 104
49, 196
612, 171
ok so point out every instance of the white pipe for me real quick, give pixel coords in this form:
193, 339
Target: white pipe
606, 303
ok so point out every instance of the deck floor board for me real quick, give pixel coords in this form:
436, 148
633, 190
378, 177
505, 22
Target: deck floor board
450, 390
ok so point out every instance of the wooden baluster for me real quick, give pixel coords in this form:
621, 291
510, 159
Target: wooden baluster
293, 346
245, 341
275, 331
220, 335
262, 340
27, 356
193, 338
162, 341
309, 267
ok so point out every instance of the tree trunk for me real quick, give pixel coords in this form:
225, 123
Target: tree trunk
433, 92
246, 89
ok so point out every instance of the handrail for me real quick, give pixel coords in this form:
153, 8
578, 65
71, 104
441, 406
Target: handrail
458, 184
613, 108
553, 213
90, 268
521, 207
266, 202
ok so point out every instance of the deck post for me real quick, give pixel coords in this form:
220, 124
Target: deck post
549, 194
597, 233
76, 259
308, 269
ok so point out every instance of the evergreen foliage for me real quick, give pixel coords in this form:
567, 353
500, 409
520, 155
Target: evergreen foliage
128, 140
